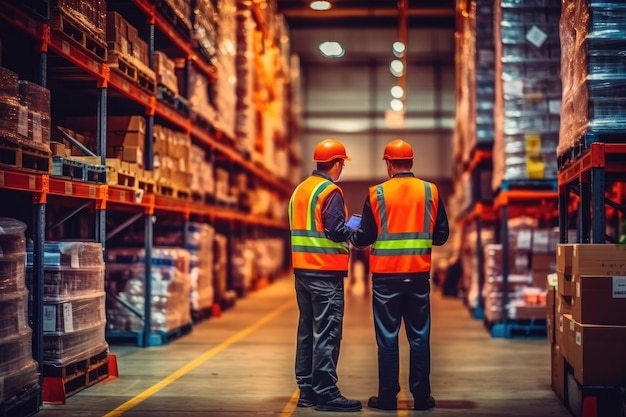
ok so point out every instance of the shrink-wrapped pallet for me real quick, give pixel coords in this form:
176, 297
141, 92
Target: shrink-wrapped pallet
527, 91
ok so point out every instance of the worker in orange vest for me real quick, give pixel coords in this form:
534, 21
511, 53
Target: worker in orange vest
402, 218
319, 235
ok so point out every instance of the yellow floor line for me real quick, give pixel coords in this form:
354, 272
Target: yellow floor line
291, 405
138, 399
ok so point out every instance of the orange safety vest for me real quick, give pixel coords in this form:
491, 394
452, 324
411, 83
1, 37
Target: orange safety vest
310, 248
405, 210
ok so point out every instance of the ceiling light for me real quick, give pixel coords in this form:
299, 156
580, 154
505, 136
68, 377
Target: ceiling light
396, 67
396, 105
331, 49
320, 5
397, 91
398, 49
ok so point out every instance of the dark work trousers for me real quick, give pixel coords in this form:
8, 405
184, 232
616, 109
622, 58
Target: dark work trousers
393, 301
321, 304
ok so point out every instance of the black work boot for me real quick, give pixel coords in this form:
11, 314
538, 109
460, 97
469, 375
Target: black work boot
381, 403
424, 405
340, 403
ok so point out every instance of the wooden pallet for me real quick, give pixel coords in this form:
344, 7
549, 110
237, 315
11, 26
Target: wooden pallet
164, 187
77, 169
146, 183
119, 176
166, 95
133, 70
62, 382
20, 156
72, 30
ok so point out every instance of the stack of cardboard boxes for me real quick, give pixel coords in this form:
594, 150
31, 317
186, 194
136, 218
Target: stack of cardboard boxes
587, 315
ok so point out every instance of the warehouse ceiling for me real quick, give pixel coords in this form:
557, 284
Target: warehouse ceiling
369, 14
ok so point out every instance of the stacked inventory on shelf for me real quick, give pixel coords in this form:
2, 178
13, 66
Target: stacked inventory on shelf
24, 123
587, 306
527, 91
148, 93
532, 258
485, 69
125, 283
73, 301
470, 279
589, 331
199, 243
593, 73
18, 370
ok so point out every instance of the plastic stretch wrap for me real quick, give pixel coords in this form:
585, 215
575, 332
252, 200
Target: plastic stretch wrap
125, 278
8, 83
37, 100
72, 254
13, 313
19, 380
593, 70
205, 30
226, 83
67, 348
200, 237
73, 315
200, 96
13, 118
61, 283
16, 351
12, 255
527, 91
89, 14
242, 263
245, 127
484, 63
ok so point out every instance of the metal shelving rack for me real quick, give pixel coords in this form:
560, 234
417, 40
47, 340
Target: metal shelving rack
107, 197
590, 177
594, 174
510, 203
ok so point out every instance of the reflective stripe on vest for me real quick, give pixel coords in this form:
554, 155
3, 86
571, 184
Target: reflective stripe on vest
311, 249
402, 251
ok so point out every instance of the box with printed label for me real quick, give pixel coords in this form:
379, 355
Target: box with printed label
596, 352
598, 259
599, 300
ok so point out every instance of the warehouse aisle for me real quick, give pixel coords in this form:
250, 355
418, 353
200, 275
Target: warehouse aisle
242, 364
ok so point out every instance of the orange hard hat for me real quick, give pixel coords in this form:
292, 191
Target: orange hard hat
330, 149
398, 149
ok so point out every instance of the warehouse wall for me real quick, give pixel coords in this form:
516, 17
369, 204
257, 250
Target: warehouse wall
347, 99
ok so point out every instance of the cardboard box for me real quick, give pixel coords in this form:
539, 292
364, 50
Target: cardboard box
562, 330
598, 259
126, 130
563, 304
133, 154
597, 354
557, 365
551, 313
599, 300
564, 284
564, 257
550, 326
